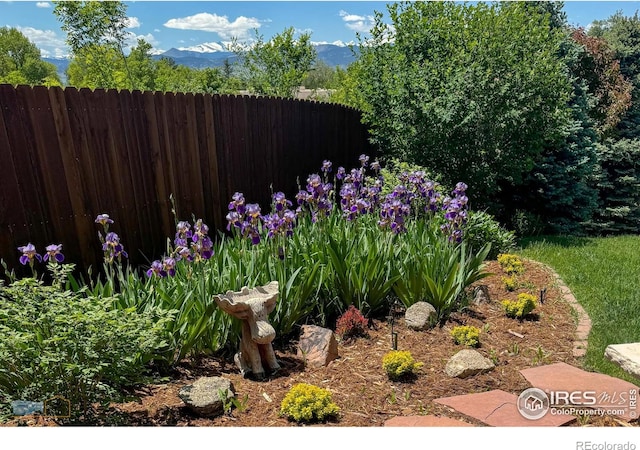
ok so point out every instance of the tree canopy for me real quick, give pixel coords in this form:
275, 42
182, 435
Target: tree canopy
279, 66
472, 92
21, 63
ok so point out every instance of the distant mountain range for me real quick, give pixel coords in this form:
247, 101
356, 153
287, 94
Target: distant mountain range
214, 55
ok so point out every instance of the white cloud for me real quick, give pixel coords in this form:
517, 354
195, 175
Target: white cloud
132, 22
221, 25
46, 40
50, 44
43, 5
361, 24
131, 40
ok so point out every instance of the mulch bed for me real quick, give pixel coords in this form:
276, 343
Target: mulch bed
359, 385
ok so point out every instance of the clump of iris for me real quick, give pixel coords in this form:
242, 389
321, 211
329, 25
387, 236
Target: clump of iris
191, 244
317, 196
111, 246
244, 218
455, 213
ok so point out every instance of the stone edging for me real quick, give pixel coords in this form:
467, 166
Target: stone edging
584, 322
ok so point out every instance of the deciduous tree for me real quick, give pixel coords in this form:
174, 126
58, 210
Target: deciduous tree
278, 66
470, 91
21, 63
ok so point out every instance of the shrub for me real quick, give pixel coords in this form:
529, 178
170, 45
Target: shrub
306, 403
519, 308
482, 229
58, 342
526, 223
511, 264
399, 364
351, 324
466, 335
510, 283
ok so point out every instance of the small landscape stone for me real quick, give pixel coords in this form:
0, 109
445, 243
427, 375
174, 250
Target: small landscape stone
318, 346
203, 396
627, 356
481, 294
467, 363
420, 316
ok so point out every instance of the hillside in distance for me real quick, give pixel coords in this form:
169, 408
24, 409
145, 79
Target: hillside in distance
209, 56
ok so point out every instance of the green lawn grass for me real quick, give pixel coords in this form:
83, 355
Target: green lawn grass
604, 275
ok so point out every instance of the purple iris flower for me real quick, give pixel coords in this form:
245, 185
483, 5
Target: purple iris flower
326, 166
29, 253
157, 268
237, 203
341, 173
280, 201
253, 210
54, 253
103, 219
112, 247
169, 265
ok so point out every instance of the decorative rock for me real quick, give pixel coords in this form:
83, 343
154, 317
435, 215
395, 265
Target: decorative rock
481, 294
627, 356
318, 346
420, 316
467, 363
203, 396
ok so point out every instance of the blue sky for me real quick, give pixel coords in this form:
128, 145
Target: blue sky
187, 24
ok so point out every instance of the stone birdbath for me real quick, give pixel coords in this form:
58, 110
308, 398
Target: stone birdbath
252, 307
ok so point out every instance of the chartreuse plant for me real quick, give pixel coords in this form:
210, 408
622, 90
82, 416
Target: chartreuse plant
308, 403
511, 264
519, 308
399, 364
57, 342
466, 335
510, 283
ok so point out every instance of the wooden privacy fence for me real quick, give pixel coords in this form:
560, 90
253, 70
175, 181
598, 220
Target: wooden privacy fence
67, 155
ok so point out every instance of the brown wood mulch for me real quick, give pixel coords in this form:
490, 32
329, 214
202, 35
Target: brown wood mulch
357, 381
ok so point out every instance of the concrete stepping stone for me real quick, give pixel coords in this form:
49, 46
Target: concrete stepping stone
627, 356
498, 409
425, 421
612, 395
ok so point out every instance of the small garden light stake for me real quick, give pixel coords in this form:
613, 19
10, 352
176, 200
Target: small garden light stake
395, 309
543, 294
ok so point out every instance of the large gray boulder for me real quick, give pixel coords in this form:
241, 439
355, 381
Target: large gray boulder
420, 316
467, 363
204, 396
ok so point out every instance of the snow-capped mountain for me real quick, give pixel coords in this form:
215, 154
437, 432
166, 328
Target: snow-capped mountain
214, 54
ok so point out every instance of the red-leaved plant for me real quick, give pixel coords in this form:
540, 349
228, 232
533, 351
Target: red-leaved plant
351, 324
